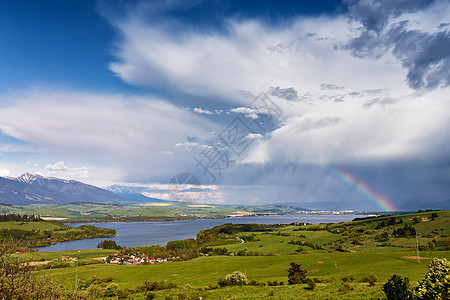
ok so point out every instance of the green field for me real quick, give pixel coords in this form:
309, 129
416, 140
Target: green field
330, 252
205, 271
26, 232
86, 212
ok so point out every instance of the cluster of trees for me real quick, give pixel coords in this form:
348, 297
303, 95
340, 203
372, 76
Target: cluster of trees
435, 284
21, 281
306, 243
222, 232
109, 244
391, 221
38, 238
50, 237
406, 231
19, 218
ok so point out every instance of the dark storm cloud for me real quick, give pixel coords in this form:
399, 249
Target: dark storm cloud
426, 55
375, 14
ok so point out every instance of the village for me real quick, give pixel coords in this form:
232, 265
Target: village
135, 260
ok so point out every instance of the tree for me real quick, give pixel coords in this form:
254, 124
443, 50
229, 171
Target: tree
19, 280
397, 288
436, 283
297, 274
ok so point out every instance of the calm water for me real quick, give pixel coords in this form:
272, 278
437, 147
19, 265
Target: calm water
159, 233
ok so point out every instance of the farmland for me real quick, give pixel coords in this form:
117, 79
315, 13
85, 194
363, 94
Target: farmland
338, 257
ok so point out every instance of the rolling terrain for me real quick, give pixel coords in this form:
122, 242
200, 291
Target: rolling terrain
338, 258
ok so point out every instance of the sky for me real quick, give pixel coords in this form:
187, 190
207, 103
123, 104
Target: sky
326, 104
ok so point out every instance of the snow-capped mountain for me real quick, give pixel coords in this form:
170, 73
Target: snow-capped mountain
32, 188
30, 178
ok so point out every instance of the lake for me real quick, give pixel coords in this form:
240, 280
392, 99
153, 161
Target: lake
159, 233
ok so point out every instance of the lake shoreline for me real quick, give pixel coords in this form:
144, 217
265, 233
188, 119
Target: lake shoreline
132, 234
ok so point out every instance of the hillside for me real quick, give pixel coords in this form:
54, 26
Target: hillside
345, 261
36, 189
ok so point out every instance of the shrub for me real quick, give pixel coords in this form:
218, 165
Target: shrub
371, 279
436, 284
155, 286
235, 278
111, 290
345, 288
256, 283
349, 278
311, 285
149, 295
20, 281
397, 288
297, 274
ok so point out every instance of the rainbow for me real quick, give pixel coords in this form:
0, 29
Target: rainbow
360, 187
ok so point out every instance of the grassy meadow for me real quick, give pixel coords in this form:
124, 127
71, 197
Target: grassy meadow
336, 256
143, 211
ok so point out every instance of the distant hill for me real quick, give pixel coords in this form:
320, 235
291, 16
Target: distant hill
133, 193
416, 205
32, 189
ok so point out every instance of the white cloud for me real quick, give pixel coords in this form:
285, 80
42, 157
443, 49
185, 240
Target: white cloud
335, 107
250, 56
56, 167
128, 133
202, 111
250, 113
4, 172
337, 132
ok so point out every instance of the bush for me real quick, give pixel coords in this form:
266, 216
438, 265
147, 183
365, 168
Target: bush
436, 284
111, 290
345, 288
371, 279
297, 274
235, 278
397, 288
155, 286
20, 281
349, 278
256, 283
311, 285
149, 295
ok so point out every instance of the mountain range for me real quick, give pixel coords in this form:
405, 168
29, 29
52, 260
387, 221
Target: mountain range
36, 189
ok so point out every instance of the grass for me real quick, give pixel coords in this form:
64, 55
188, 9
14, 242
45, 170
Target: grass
30, 225
204, 271
90, 211
364, 257
81, 254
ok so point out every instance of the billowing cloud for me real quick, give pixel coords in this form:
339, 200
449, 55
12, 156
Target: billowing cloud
415, 32
221, 64
4, 172
128, 132
60, 169
56, 167
365, 90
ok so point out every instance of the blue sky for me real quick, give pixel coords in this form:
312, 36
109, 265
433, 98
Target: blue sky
133, 93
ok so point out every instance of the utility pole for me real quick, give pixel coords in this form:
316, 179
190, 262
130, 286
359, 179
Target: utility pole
76, 277
417, 248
